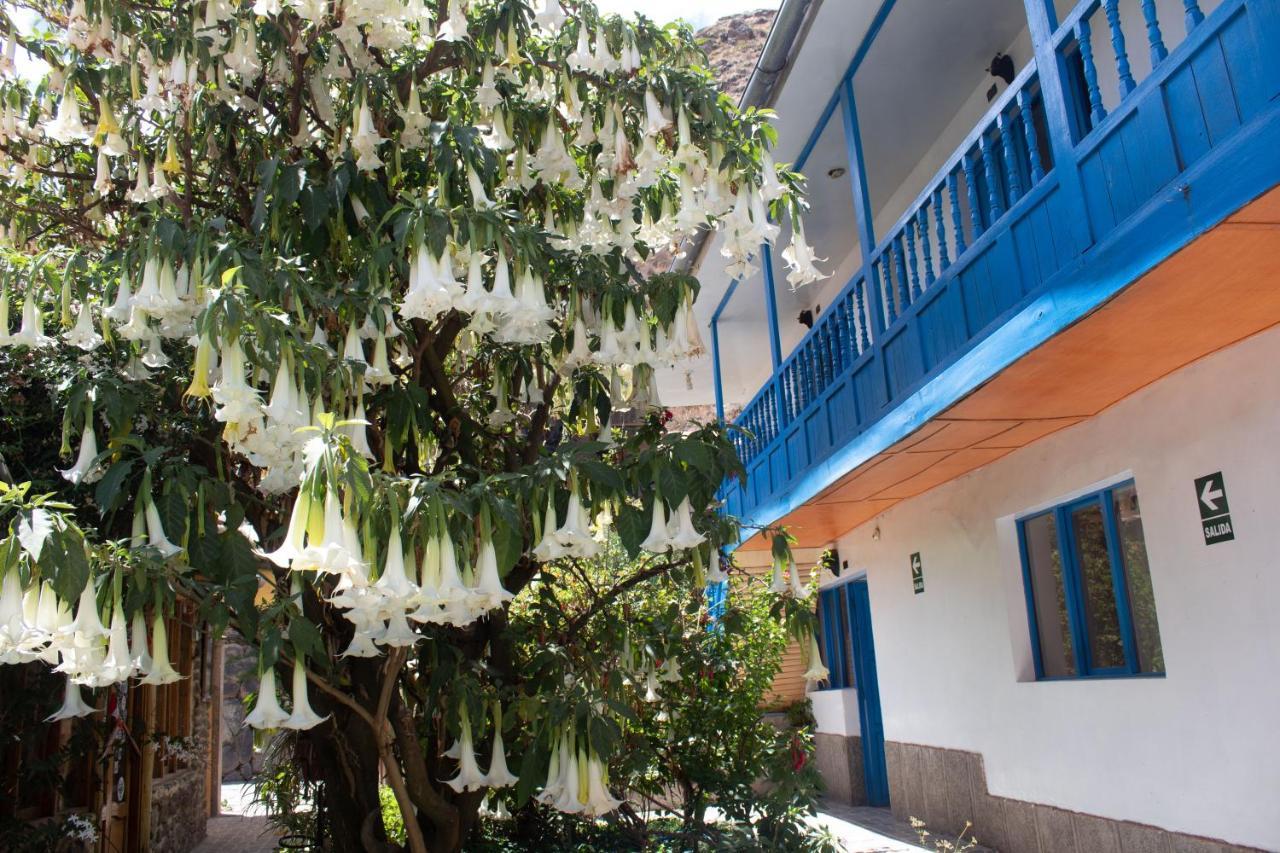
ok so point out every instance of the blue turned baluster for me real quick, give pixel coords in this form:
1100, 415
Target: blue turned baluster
1012, 178
910, 231
1084, 36
1112, 10
1194, 15
900, 265
1158, 51
940, 230
993, 176
971, 183
957, 219
885, 289
922, 225
845, 342
864, 340
1033, 139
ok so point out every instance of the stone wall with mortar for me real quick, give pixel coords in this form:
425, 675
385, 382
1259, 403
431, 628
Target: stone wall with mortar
179, 800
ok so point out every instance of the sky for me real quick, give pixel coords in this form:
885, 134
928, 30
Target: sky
697, 12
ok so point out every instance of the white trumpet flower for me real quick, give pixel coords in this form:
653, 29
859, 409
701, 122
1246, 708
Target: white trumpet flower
72, 704
138, 653
85, 471
266, 713
83, 335
156, 537
161, 671
658, 541
685, 536
816, 671
499, 776
469, 777
489, 592
302, 717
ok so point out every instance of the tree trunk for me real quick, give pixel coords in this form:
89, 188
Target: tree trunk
346, 753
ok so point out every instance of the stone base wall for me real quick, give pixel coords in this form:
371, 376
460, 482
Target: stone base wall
180, 800
179, 811
946, 787
839, 761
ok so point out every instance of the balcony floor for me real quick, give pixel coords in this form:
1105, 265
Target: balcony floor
1219, 289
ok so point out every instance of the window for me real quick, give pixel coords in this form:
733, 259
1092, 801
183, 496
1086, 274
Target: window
835, 640
1088, 582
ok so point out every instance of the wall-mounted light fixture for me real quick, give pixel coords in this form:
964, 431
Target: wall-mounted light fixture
837, 172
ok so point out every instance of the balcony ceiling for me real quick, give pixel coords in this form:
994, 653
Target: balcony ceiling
907, 96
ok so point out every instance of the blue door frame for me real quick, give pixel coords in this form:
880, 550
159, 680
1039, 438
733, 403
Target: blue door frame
864, 662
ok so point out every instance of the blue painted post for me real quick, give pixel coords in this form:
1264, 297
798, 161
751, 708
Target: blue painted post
771, 312
1055, 92
922, 226
1158, 51
1013, 181
1033, 139
864, 340
910, 231
996, 209
940, 227
1112, 10
715, 368
861, 200
957, 219
1084, 36
971, 183
1194, 15
900, 273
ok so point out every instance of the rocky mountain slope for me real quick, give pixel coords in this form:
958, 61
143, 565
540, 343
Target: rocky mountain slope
733, 45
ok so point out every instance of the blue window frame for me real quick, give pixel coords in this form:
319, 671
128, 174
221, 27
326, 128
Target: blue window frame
836, 642
1088, 585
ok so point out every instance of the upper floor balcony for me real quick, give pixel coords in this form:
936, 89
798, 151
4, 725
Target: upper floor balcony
973, 223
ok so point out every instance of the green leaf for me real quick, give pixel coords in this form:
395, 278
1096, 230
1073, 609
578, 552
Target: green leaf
237, 556
602, 474
205, 555
671, 484
632, 526
306, 636
71, 565
532, 771
315, 207
34, 529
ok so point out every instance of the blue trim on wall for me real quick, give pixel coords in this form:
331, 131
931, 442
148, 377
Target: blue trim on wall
715, 368
870, 720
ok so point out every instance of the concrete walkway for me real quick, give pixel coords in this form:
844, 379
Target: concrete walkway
242, 827
863, 829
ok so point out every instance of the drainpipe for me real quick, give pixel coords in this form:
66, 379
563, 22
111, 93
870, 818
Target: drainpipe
774, 60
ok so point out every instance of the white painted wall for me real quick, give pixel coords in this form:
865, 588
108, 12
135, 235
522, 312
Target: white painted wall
836, 711
1197, 751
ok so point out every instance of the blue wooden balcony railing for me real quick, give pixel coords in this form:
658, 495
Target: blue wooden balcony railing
1056, 174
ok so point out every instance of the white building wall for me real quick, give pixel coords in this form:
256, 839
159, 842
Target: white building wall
1197, 751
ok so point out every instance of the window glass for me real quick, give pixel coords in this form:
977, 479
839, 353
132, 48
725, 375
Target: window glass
1090, 599
846, 638
1102, 618
1142, 602
1044, 558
